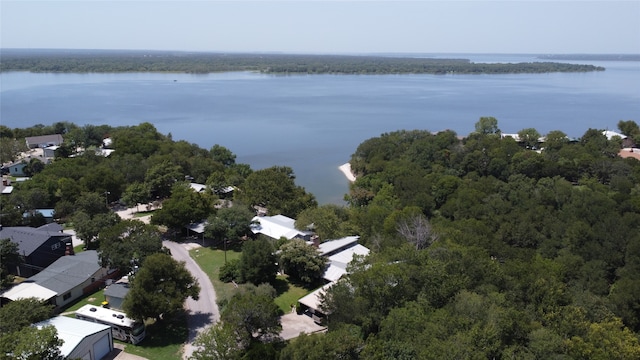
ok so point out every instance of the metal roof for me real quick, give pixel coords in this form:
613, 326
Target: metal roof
72, 331
314, 299
28, 289
276, 226
330, 246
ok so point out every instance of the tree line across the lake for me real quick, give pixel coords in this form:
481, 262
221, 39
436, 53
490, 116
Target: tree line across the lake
85, 61
482, 247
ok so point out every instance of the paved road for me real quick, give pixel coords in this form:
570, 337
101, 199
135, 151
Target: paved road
203, 312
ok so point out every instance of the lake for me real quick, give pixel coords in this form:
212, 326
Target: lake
313, 123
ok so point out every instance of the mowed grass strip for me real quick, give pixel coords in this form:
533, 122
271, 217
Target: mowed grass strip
210, 261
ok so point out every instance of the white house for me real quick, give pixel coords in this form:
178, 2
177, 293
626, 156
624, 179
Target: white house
82, 339
278, 226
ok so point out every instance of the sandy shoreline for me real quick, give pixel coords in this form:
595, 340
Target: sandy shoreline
346, 170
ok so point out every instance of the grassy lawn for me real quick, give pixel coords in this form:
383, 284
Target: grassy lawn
288, 294
210, 261
163, 341
94, 299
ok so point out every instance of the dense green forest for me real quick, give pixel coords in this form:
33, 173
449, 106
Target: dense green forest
79, 61
482, 247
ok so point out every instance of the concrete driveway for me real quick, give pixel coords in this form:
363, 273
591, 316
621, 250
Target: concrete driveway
293, 325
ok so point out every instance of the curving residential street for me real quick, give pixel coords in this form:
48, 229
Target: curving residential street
203, 312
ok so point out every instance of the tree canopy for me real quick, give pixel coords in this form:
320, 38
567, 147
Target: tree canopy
160, 288
127, 244
302, 262
275, 189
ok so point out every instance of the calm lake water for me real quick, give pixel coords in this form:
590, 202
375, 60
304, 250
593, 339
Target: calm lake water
314, 123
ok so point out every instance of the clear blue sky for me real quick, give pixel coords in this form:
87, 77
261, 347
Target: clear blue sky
332, 26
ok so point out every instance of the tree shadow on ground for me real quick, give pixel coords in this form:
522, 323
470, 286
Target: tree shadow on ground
173, 330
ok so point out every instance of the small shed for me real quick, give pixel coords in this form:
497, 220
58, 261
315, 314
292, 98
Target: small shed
114, 294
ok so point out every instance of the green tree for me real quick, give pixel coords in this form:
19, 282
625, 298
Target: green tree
137, 193
275, 188
217, 342
22, 313
629, 128
302, 262
232, 223
555, 140
10, 148
184, 207
91, 203
31, 343
257, 262
161, 178
342, 343
127, 244
487, 125
253, 315
9, 258
327, 221
88, 228
160, 288
529, 137
222, 155
33, 167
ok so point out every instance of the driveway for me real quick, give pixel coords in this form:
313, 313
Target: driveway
293, 325
203, 312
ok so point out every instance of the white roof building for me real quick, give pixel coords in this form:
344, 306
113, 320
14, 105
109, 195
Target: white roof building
28, 289
82, 339
338, 263
277, 226
610, 134
314, 298
330, 247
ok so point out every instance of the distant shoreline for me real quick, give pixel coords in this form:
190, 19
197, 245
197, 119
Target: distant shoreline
346, 170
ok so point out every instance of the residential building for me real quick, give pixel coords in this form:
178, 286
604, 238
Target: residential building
278, 226
39, 247
43, 141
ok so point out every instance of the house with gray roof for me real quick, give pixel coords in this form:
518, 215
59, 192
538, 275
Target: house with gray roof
43, 141
39, 247
72, 277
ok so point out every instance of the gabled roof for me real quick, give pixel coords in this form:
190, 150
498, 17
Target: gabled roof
72, 331
44, 139
328, 247
29, 239
28, 289
68, 271
339, 261
276, 226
